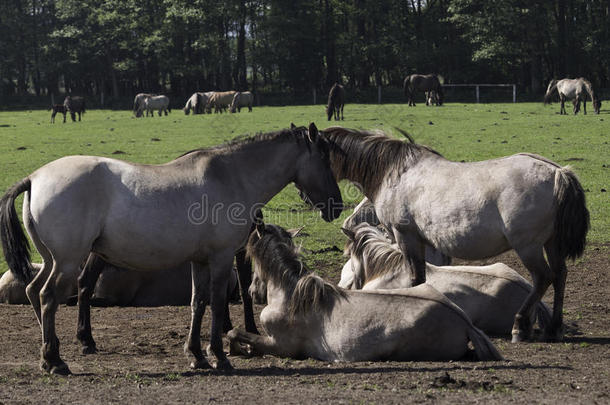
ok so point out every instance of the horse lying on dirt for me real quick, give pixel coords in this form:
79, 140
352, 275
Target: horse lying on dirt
118, 287
365, 212
489, 295
306, 316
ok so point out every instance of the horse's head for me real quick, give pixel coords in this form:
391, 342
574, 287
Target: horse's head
597, 105
265, 247
314, 178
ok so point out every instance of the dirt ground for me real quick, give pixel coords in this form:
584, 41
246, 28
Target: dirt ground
141, 360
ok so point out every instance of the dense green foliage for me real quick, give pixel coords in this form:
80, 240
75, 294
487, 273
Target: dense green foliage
460, 132
120, 47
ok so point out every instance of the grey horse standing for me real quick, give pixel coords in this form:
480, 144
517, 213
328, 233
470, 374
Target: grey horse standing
573, 89
472, 210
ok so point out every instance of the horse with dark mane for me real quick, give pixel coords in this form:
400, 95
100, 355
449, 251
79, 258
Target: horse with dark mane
471, 210
336, 101
423, 83
573, 89
75, 105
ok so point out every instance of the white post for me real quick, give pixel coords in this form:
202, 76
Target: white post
378, 94
314, 96
477, 87
514, 93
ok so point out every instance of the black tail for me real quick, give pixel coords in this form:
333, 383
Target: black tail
572, 218
14, 242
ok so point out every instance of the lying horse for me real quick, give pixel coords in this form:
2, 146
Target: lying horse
138, 103
336, 101
220, 100
242, 99
306, 316
471, 210
365, 212
74, 105
58, 108
159, 103
118, 287
489, 295
155, 217
572, 89
425, 83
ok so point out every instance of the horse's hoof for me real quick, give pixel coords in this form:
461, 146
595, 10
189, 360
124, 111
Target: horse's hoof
61, 369
224, 365
88, 349
553, 335
199, 364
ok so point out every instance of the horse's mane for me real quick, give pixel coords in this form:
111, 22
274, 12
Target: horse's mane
298, 134
367, 157
379, 255
280, 260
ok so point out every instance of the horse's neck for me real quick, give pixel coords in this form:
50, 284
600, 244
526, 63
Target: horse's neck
277, 295
268, 165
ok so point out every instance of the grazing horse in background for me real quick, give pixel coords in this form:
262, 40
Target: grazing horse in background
490, 295
196, 103
471, 210
58, 108
423, 83
572, 89
220, 100
138, 103
242, 99
159, 103
75, 105
306, 316
154, 217
336, 101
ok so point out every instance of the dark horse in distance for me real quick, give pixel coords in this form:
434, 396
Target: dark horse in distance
423, 83
336, 101
75, 105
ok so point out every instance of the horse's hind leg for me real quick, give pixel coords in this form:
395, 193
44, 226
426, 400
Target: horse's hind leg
554, 331
533, 259
199, 299
50, 359
86, 285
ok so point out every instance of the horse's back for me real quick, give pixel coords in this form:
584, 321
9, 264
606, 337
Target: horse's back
397, 325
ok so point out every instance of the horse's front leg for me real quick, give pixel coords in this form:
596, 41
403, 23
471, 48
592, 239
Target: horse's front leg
199, 299
220, 268
260, 345
413, 249
86, 285
244, 272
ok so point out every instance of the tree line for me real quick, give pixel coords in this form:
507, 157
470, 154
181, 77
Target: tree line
121, 47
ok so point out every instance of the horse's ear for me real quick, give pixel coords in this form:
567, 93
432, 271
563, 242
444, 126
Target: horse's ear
349, 233
296, 231
292, 126
260, 229
313, 133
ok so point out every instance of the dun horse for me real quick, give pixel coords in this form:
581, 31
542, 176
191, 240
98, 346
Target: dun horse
336, 101
472, 210
138, 103
423, 83
242, 99
154, 217
158, 103
490, 295
572, 89
306, 316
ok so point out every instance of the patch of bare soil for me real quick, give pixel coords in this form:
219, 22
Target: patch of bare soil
141, 360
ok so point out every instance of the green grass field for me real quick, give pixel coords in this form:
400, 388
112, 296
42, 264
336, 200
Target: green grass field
459, 131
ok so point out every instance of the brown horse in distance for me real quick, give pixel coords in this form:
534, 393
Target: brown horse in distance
336, 101
423, 83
